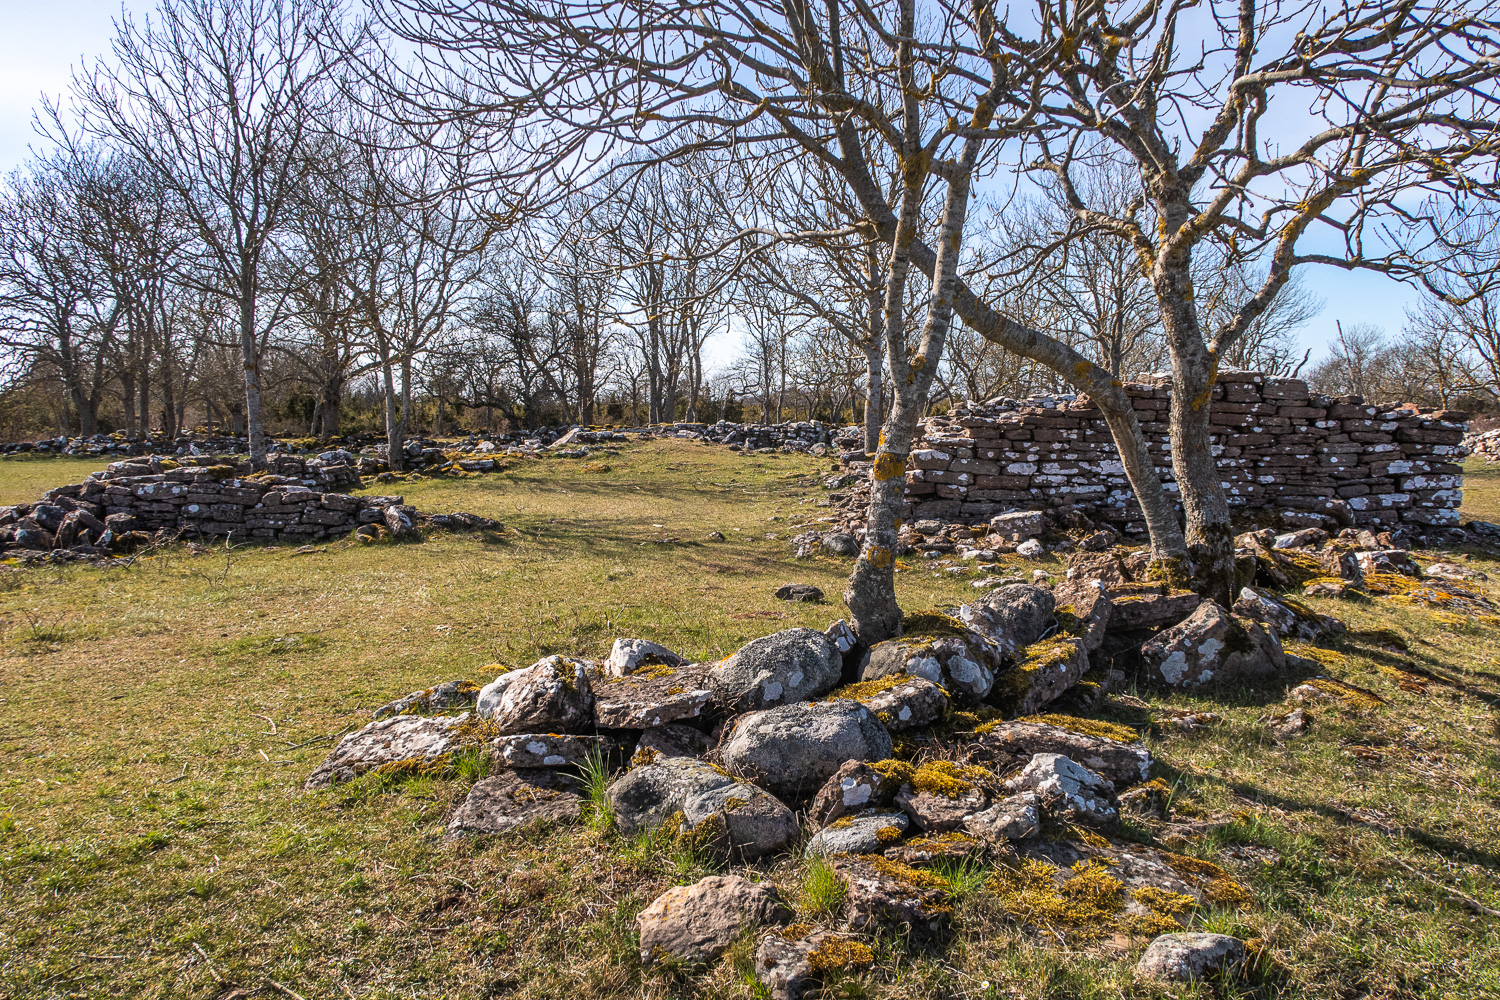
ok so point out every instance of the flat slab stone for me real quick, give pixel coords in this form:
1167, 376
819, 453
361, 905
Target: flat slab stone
884, 895
449, 694
545, 750
390, 741
867, 833
651, 697
1008, 745
513, 799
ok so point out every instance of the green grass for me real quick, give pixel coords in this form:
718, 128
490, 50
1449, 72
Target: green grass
148, 810
25, 478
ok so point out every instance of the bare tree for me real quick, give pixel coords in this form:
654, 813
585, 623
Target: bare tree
1393, 99
218, 98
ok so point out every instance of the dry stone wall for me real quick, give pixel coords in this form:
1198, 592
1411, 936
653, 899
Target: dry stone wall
294, 500
1278, 446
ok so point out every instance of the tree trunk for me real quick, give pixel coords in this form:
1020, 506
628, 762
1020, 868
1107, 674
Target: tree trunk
254, 428
871, 591
395, 442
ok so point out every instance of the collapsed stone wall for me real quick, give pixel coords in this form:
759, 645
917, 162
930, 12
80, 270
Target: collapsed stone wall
1278, 446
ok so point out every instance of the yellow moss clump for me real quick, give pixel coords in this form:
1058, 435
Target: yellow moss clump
792, 932
1088, 901
1356, 696
868, 689
1221, 890
1389, 583
476, 731
1327, 657
888, 834
1087, 727
894, 770
1086, 836
945, 778
841, 823
1163, 901
933, 624
840, 953
906, 873
1047, 652
644, 756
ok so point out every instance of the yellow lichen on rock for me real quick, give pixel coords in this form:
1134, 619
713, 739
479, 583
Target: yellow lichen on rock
838, 954
1086, 727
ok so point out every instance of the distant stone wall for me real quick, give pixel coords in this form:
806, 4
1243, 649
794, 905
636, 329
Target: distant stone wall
295, 500
1277, 444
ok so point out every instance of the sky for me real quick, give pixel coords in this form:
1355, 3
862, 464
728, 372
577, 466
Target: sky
43, 42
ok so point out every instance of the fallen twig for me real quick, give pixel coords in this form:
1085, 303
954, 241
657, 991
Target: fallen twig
268, 719
208, 962
1467, 902
181, 776
287, 990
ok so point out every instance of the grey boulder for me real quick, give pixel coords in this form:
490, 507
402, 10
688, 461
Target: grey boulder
792, 750
693, 793
1212, 645
696, 923
1012, 617
788, 666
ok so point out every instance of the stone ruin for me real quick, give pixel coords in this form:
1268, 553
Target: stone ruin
1338, 460
966, 737
147, 500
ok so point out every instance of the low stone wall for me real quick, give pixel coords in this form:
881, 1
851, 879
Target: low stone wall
1277, 444
295, 500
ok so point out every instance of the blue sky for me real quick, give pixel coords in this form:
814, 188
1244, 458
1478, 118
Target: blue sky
43, 42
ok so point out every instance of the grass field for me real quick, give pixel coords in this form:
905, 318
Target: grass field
155, 727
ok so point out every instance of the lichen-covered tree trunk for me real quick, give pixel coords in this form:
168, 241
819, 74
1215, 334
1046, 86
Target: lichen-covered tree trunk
871, 592
1195, 368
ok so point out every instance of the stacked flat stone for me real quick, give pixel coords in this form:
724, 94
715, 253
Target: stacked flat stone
1277, 445
296, 501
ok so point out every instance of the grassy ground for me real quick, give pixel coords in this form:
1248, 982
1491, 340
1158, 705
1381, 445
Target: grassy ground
154, 728
27, 477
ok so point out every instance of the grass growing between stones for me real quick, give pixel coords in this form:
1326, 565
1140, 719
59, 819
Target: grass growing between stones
156, 723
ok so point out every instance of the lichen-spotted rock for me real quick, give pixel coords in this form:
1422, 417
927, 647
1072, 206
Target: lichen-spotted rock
887, 896
529, 750
551, 696
1008, 745
940, 649
1212, 646
404, 739
513, 799
1068, 790
793, 749
854, 787
1013, 617
789, 666
1185, 957
702, 799
866, 833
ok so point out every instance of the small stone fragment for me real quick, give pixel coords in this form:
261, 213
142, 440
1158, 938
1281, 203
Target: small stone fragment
1068, 790
866, 833
1183, 958
803, 592
627, 656
1014, 817
531, 750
